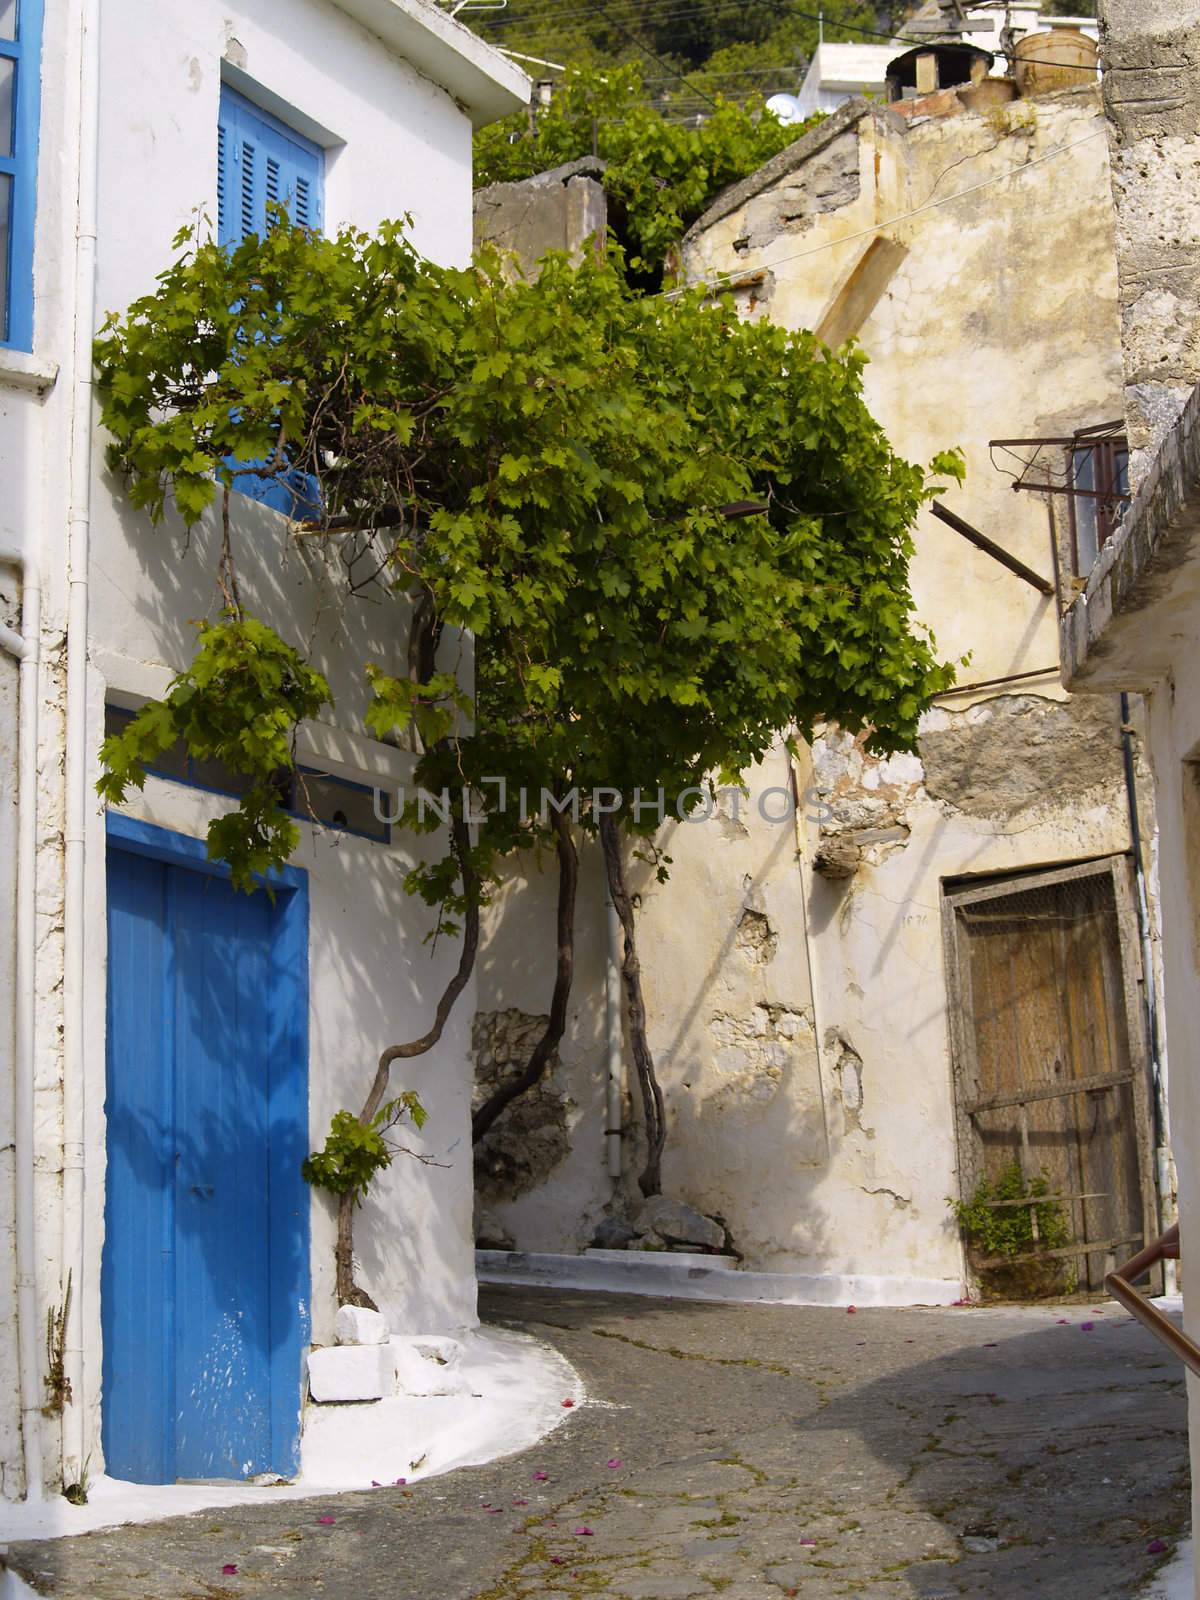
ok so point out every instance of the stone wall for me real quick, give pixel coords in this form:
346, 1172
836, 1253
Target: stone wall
562, 209
1152, 99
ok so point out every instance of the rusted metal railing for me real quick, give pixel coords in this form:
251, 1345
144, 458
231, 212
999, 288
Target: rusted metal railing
1120, 1285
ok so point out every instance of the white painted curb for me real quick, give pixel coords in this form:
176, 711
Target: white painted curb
660, 1273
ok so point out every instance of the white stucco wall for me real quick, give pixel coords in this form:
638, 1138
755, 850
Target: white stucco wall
1175, 745
395, 143
9, 1399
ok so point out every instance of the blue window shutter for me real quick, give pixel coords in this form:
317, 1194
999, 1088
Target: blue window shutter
20, 58
262, 162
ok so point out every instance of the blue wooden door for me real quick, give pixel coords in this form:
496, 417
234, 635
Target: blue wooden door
206, 1236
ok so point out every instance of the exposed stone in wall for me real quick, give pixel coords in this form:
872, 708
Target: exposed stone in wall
753, 1050
530, 1138
862, 801
1152, 97
799, 155
756, 938
827, 182
848, 1076
1016, 752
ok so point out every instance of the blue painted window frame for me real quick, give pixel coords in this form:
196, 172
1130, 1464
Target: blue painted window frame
259, 158
289, 1141
16, 311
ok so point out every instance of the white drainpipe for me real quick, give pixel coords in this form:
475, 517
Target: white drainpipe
613, 1031
74, 1255
25, 646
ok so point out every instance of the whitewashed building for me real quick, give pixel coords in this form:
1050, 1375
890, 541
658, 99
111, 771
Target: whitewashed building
168, 1054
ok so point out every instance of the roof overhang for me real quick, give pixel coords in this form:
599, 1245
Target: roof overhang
483, 81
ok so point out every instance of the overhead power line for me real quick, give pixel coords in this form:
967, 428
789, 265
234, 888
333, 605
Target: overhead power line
632, 37
675, 10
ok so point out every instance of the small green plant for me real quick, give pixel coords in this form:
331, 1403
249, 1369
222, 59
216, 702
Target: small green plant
995, 1223
355, 1150
58, 1385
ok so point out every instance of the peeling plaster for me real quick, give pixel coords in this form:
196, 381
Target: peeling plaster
531, 1137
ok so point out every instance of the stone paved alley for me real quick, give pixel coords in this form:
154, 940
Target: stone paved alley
749, 1452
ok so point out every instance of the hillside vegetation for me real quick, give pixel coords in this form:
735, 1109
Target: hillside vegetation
690, 51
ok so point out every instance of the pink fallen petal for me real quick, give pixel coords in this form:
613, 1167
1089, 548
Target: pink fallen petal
614, 1463
375, 1483
1156, 1547
229, 1570
850, 1310
400, 1481
558, 1561
1063, 1323
811, 1543
990, 1345
584, 1531
495, 1511
568, 1402
326, 1519
1086, 1327
520, 1502
541, 1477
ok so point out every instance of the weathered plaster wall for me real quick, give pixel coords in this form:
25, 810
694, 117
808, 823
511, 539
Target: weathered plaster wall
806, 1063
999, 321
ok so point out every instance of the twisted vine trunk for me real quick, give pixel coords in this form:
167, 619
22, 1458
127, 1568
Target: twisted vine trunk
513, 1088
348, 1292
653, 1111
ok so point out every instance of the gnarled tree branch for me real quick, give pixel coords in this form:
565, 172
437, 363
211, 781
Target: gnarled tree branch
348, 1291
568, 881
650, 1180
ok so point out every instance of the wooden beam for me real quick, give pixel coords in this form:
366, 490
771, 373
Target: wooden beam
989, 547
1085, 1247
1052, 1091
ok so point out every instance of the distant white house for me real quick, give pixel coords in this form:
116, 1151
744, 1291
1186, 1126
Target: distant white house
169, 1051
837, 72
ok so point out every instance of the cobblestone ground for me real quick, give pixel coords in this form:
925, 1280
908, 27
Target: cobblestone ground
747, 1452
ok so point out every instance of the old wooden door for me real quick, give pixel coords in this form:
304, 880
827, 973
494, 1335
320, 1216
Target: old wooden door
1050, 1063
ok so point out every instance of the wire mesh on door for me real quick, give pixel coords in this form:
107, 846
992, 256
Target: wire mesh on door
1048, 1062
